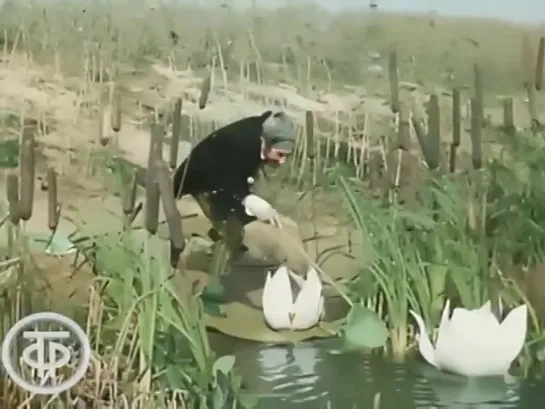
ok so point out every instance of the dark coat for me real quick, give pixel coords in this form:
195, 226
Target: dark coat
221, 164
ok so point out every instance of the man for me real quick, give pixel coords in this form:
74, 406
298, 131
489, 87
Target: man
220, 170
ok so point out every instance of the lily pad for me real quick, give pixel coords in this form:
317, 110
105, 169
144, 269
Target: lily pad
364, 328
59, 245
244, 322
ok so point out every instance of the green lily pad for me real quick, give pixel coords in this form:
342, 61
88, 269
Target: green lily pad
59, 245
244, 322
224, 364
364, 328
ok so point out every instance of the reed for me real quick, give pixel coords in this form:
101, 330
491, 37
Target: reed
176, 133
456, 128
27, 167
173, 217
53, 208
152, 185
205, 91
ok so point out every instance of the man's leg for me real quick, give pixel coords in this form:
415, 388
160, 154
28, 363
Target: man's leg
227, 234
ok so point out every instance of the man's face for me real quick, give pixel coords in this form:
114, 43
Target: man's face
275, 157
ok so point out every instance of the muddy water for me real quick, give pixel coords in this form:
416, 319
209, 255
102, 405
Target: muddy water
310, 376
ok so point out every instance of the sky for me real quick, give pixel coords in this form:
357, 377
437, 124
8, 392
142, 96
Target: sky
523, 11
530, 11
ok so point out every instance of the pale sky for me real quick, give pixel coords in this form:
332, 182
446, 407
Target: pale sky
529, 11
532, 11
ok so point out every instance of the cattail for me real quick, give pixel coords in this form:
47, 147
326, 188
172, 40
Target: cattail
186, 128
417, 122
476, 135
434, 133
479, 92
129, 195
309, 121
508, 115
116, 111
173, 217
27, 167
205, 91
527, 60
13, 198
176, 133
152, 186
539, 64
52, 200
103, 127
456, 118
403, 129
393, 79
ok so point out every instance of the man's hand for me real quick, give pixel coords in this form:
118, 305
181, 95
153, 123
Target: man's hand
260, 208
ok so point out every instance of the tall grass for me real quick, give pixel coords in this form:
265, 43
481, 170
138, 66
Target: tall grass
283, 44
149, 342
429, 252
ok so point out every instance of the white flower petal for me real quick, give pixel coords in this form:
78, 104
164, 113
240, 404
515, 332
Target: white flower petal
441, 344
474, 344
309, 304
278, 299
424, 344
513, 332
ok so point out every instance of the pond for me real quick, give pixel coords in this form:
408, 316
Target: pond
310, 376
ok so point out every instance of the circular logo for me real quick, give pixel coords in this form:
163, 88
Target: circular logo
44, 355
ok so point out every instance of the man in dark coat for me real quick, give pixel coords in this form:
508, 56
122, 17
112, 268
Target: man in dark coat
221, 168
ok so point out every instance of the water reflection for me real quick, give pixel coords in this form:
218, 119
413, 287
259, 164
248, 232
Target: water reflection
308, 376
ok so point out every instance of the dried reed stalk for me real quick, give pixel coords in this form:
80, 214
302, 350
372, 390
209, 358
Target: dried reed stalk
173, 217
13, 199
205, 91
311, 155
420, 131
456, 128
434, 133
129, 194
27, 166
539, 64
14, 214
103, 127
152, 186
476, 135
176, 133
403, 129
116, 111
393, 78
53, 209
529, 79
478, 90
527, 61
509, 115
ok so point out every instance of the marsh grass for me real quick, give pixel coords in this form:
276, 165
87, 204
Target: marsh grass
149, 341
150, 347
425, 254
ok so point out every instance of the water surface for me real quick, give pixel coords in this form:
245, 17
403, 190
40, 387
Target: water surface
309, 376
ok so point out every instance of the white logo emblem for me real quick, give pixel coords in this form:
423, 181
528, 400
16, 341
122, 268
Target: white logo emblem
44, 356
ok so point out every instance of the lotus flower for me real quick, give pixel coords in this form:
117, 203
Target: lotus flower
279, 308
473, 343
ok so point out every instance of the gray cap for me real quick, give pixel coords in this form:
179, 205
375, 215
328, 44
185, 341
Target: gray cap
279, 131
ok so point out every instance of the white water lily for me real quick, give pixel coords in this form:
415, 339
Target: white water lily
473, 343
281, 311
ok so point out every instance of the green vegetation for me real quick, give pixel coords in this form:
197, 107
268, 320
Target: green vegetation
450, 231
